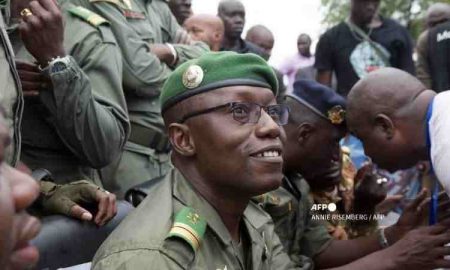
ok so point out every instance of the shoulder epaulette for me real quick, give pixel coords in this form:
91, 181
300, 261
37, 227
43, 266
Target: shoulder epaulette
87, 15
189, 226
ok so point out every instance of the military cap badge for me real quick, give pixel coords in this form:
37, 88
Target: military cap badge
193, 76
336, 115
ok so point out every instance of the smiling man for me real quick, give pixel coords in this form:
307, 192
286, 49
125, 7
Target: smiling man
225, 129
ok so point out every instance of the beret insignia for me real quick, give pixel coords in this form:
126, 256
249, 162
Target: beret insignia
336, 115
193, 76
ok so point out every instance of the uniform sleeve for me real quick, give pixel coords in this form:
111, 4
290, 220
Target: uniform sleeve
406, 62
422, 68
137, 259
143, 72
324, 53
184, 52
280, 259
87, 102
315, 238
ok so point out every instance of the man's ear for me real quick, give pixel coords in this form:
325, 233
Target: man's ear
181, 139
385, 126
304, 132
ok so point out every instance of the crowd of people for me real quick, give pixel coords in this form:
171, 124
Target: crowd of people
228, 162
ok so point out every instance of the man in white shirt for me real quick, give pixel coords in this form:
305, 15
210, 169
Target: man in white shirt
401, 122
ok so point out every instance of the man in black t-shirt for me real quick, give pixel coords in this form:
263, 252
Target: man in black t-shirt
232, 13
361, 44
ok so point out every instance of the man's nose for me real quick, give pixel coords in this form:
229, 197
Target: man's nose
267, 127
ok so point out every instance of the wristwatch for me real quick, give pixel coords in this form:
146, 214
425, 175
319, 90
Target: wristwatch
59, 64
56, 65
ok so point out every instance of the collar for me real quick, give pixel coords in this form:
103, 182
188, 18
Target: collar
253, 216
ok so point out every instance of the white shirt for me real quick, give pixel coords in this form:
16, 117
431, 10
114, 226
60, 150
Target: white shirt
439, 126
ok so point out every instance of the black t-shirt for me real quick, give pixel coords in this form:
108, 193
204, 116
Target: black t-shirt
439, 56
339, 44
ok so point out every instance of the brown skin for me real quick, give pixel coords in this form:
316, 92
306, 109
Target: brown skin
363, 13
206, 28
36, 30
437, 13
227, 180
262, 37
304, 45
17, 228
181, 9
232, 13
311, 140
386, 111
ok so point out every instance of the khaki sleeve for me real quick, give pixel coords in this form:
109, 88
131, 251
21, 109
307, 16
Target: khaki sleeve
137, 259
143, 72
184, 52
281, 260
87, 102
422, 68
315, 237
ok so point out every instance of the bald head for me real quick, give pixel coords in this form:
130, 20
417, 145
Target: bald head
386, 110
207, 28
386, 90
437, 13
262, 37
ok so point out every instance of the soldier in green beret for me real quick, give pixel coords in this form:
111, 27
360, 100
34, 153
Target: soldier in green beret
225, 129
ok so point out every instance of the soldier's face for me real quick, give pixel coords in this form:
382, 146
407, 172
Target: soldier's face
17, 192
239, 159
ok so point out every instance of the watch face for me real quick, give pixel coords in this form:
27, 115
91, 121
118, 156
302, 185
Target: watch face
58, 66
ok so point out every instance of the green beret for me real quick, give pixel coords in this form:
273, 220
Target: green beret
215, 70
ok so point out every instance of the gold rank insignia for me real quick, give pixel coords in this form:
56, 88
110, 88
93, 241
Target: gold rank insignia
189, 226
336, 115
193, 76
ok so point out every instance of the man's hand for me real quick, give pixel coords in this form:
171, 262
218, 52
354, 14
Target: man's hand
67, 200
370, 190
183, 37
163, 52
422, 248
412, 217
31, 78
42, 31
388, 204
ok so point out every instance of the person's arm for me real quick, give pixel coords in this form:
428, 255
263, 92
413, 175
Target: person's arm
422, 68
324, 60
86, 103
143, 72
420, 249
136, 259
185, 48
343, 252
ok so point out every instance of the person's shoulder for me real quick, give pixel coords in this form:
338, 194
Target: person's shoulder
392, 24
83, 24
146, 227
